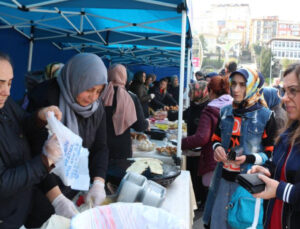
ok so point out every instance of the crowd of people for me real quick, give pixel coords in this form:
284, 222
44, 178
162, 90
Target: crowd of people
230, 111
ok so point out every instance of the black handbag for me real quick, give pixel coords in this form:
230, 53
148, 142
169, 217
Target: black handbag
251, 182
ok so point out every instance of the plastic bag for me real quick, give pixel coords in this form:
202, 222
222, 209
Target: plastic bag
72, 168
126, 215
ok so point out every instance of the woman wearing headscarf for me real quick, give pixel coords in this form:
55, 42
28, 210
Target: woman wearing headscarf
273, 100
76, 91
138, 87
247, 124
217, 91
174, 88
123, 111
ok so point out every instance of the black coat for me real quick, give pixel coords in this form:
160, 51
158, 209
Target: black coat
45, 94
141, 91
120, 146
18, 171
161, 100
192, 115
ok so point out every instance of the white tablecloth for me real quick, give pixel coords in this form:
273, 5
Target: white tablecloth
180, 199
153, 154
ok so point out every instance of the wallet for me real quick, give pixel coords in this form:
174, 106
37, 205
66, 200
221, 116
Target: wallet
251, 182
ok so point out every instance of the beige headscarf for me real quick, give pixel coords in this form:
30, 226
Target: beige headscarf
125, 114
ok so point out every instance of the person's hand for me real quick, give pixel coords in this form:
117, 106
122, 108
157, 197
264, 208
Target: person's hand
239, 160
96, 195
42, 113
220, 155
51, 150
259, 169
166, 108
64, 207
152, 96
149, 124
270, 189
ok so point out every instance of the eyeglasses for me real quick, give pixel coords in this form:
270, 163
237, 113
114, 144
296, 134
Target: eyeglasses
291, 91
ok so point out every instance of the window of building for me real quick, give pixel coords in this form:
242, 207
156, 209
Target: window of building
292, 44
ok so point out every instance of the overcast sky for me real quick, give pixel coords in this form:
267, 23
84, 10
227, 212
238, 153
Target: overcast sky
285, 9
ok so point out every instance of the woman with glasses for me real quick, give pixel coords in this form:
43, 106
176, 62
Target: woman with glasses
282, 173
247, 126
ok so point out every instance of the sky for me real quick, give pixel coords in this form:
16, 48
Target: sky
285, 9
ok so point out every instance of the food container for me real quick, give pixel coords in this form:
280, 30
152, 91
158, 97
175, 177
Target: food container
136, 188
131, 187
154, 194
156, 134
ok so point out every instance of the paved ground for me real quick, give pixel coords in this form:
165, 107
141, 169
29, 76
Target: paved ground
198, 224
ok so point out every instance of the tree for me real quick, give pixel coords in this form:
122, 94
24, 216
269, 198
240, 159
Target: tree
257, 49
265, 61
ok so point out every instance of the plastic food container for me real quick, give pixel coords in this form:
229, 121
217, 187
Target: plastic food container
136, 188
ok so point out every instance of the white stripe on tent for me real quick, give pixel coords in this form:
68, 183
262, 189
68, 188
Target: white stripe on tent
182, 57
94, 28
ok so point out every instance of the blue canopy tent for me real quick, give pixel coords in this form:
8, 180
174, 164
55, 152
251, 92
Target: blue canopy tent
152, 32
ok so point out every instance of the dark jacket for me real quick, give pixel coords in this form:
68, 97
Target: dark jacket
18, 171
138, 88
202, 138
174, 91
288, 191
45, 94
161, 100
192, 115
122, 149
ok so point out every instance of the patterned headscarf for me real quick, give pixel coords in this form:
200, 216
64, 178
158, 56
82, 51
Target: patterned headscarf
254, 83
198, 92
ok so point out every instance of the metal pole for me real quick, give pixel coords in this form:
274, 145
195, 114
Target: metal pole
30, 50
270, 83
30, 55
187, 101
182, 55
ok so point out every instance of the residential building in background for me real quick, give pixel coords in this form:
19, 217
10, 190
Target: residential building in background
262, 30
287, 28
285, 48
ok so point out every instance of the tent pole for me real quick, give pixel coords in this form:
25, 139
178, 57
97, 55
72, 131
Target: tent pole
187, 101
30, 55
182, 57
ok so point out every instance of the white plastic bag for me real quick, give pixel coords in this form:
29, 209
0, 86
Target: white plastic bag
72, 168
126, 215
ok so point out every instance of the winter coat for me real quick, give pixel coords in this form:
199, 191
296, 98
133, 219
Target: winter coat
161, 100
202, 138
288, 192
18, 170
141, 91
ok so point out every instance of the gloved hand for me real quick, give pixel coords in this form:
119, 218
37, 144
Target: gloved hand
96, 195
152, 96
64, 207
52, 150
